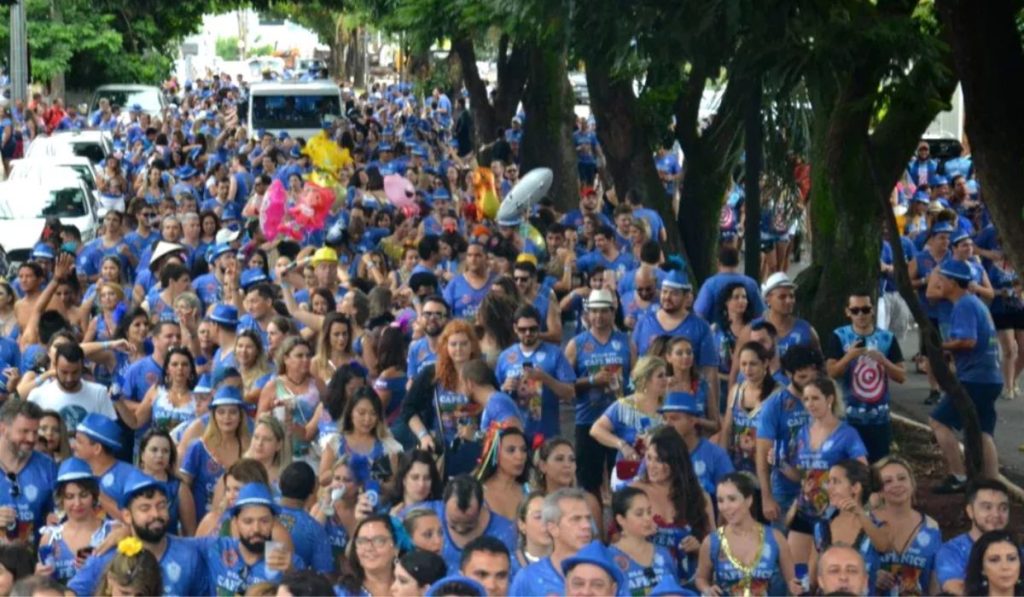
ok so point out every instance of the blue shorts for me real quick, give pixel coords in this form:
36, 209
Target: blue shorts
984, 396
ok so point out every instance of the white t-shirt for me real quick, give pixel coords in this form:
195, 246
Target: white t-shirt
92, 398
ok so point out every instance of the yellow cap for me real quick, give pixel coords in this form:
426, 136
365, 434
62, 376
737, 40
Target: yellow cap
325, 255
527, 258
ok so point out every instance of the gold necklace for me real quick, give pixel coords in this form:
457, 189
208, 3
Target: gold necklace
745, 570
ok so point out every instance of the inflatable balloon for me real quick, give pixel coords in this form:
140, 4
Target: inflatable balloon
399, 191
326, 155
323, 178
485, 192
312, 208
530, 233
273, 209
530, 189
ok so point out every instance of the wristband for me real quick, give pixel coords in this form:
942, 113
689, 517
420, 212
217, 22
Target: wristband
590, 379
422, 434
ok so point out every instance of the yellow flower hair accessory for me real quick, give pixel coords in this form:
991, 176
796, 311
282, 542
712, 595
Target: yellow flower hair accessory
129, 546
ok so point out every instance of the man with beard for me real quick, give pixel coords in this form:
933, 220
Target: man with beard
674, 318
567, 518
27, 476
782, 416
535, 373
236, 564
145, 510
96, 442
464, 516
72, 397
467, 290
423, 351
988, 508
780, 296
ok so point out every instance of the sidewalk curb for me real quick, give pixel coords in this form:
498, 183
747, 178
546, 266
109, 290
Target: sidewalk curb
1015, 489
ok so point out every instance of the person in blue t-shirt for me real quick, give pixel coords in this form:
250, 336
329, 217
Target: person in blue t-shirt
865, 358
975, 347
710, 461
988, 508
488, 561
28, 477
467, 290
782, 416
298, 484
423, 351
480, 386
568, 520
642, 563
536, 374
465, 516
728, 273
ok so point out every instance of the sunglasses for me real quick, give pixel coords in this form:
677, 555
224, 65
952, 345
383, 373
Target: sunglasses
530, 329
523, 279
860, 310
15, 488
435, 314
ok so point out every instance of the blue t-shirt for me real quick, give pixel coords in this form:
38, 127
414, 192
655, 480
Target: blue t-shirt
539, 579
640, 580
782, 417
112, 480
951, 559
692, 327
622, 263
498, 527
463, 299
710, 463
800, 334
500, 408
843, 443
591, 357
653, 219
971, 320
182, 569
913, 566
208, 288
10, 354
537, 403
36, 481
227, 571
204, 472
420, 355
707, 296
309, 538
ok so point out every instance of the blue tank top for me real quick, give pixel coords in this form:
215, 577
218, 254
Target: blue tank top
743, 443
640, 580
64, 557
753, 580
913, 565
167, 416
669, 535
866, 384
338, 537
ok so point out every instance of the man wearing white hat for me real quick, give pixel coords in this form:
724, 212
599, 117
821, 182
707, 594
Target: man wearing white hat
602, 358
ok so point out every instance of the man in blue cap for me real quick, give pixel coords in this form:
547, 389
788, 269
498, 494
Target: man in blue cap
936, 249
210, 286
145, 510
975, 348
236, 564
591, 573
567, 518
710, 461
26, 475
96, 441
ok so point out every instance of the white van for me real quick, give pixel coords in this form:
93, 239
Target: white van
298, 109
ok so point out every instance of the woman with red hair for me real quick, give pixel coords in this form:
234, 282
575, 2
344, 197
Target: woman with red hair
436, 408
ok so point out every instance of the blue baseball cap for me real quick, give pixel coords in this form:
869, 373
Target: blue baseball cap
295, 153
282, 135
677, 280
957, 270
216, 251
43, 251
940, 228
436, 589
74, 469
227, 396
186, 172
921, 197
959, 236
940, 179
442, 194
595, 554
136, 108
225, 315
137, 483
254, 494
681, 402
101, 430
252, 277
230, 212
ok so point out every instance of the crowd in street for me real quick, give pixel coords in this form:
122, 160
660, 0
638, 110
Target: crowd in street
413, 395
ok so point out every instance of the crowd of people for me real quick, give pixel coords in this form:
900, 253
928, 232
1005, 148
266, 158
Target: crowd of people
423, 400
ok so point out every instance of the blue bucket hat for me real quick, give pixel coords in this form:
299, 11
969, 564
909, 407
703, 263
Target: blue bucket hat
204, 385
231, 212
101, 430
681, 402
668, 587
225, 315
137, 483
254, 494
921, 197
957, 270
43, 251
227, 396
677, 280
216, 251
295, 153
596, 554
252, 277
959, 236
940, 228
186, 172
282, 135
74, 469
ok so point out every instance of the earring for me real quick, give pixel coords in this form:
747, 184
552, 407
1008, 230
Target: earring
984, 581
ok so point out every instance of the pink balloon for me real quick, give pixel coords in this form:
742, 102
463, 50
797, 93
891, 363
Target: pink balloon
399, 190
273, 209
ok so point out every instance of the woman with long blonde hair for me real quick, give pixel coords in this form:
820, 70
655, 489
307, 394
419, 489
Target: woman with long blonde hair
438, 413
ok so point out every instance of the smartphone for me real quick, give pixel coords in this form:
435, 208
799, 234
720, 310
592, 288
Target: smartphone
85, 552
860, 343
528, 365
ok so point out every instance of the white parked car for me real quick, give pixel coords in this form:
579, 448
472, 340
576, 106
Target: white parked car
25, 206
92, 144
40, 170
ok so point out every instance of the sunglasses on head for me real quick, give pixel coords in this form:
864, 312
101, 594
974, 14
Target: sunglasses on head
15, 488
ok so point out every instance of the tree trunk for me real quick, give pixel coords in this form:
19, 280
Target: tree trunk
626, 142
990, 62
355, 58
479, 103
547, 134
488, 116
511, 79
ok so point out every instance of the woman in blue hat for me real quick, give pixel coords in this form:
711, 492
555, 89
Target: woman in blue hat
63, 548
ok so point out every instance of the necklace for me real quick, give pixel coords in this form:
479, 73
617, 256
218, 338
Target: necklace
745, 570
